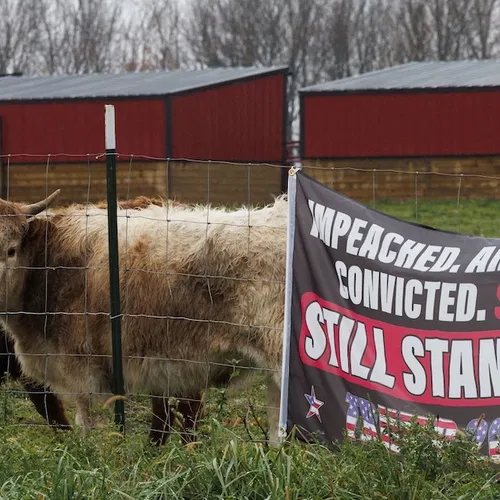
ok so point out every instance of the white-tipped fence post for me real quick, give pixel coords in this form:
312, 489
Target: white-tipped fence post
114, 269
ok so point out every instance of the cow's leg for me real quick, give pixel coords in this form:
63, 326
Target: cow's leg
48, 405
160, 421
163, 419
83, 415
273, 410
191, 410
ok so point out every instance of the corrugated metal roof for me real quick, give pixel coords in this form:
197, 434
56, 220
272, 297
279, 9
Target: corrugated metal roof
97, 85
419, 75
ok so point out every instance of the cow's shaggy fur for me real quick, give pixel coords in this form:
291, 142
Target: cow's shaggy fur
197, 291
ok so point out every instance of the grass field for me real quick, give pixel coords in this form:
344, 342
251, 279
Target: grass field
229, 460
476, 217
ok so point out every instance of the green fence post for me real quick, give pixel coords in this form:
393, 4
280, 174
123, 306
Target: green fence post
114, 273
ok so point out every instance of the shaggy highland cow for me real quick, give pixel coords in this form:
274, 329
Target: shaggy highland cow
194, 296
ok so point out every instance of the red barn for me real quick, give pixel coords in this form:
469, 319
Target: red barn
426, 117
169, 125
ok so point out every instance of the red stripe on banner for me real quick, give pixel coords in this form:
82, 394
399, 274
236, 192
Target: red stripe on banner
351, 427
445, 424
332, 337
441, 423
370, 432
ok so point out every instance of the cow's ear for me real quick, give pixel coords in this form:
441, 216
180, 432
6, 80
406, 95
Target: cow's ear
34, 233
40, 206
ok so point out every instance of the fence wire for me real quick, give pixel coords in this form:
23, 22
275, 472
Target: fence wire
172, 211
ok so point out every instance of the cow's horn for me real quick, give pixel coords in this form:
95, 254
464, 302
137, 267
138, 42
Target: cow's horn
38, 207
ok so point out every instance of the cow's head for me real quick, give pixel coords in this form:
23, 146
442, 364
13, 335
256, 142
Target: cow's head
14, 226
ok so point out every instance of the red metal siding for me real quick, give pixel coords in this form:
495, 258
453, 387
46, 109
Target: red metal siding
78, 128
240, 121
404, 124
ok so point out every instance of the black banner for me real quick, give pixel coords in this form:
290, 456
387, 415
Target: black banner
390, 319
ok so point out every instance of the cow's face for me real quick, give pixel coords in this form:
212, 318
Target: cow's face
14, 225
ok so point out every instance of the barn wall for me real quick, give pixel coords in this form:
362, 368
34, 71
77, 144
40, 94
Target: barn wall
78, 128
242, 121
80, 181
186, 182
396, 179
193, 182
401, 124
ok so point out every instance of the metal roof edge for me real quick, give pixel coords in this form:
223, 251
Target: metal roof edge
361, 76
403, 90
249, 72
336, 86
266, 71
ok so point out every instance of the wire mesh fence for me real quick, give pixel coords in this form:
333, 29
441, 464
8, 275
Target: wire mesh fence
201, 275
184, 328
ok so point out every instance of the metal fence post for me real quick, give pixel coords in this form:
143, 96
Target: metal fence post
114, 273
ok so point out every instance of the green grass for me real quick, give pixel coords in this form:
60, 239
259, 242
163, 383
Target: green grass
39, 463
478, 217
228, 461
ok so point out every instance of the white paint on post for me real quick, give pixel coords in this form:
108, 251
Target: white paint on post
292, 185
109, 121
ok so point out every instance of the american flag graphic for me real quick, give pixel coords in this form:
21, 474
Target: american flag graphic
368, 414
351, 415
494, 439
389, 419
478, 429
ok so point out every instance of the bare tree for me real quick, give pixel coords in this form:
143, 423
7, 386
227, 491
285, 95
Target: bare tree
79, 36
153, 37
203, 35
450, 31
379, 35
481, 20
359, 36
339, 37
236, 32
19, 35
416, 39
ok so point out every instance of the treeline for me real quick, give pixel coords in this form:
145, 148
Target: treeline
317, 39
